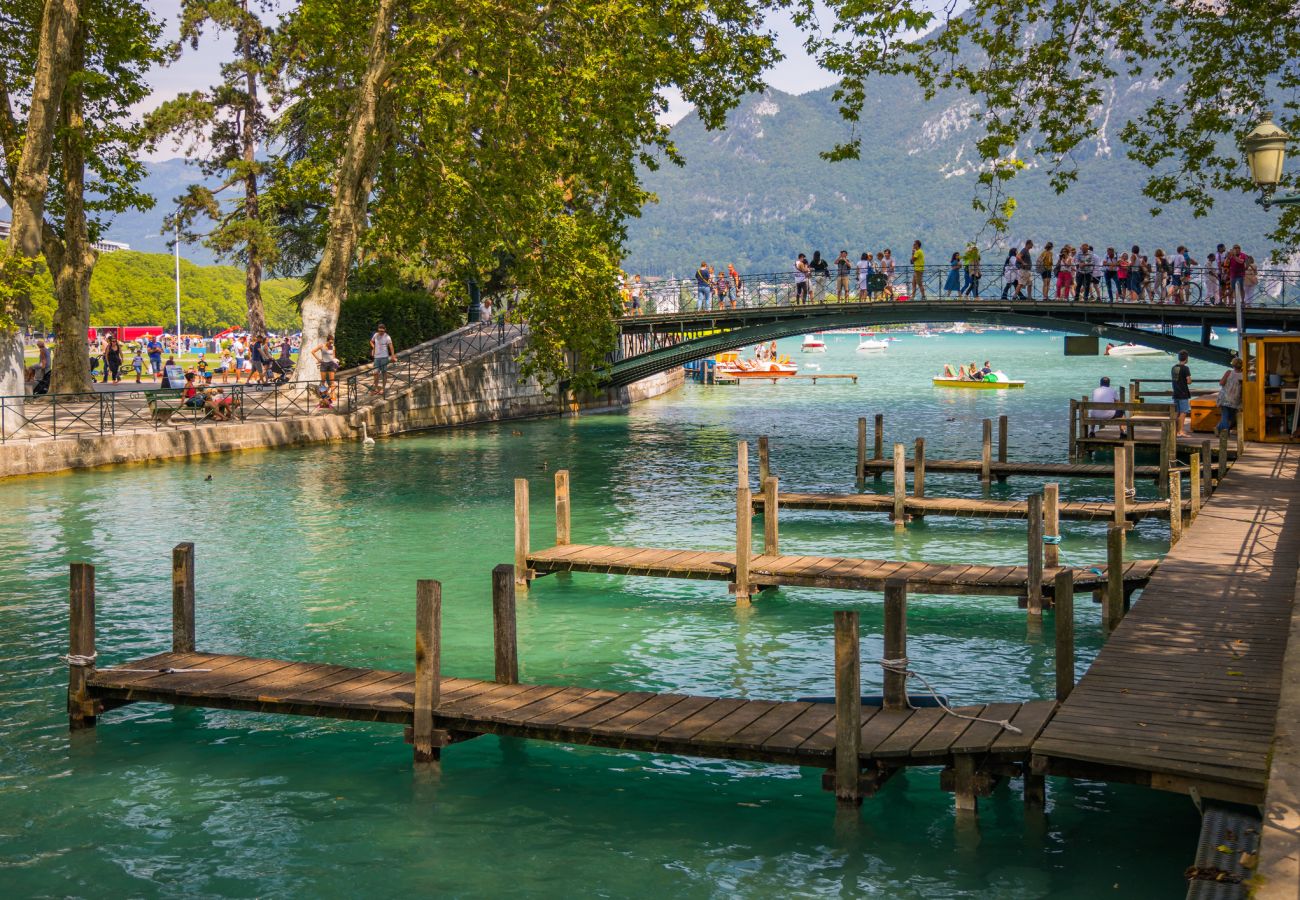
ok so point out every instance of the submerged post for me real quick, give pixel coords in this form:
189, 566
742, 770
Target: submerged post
521, 532
1114, 605
744, 541
505, 644
848, 707
879, 449
986, 454
1052, 525
862, 450
1063, 606
771, 525
1002, 447
1121, 485
81, 644
1035, 587
764, 459
1175, 508
183, 598
428, 666
562, 532
900, 487
895, 687
1194, 487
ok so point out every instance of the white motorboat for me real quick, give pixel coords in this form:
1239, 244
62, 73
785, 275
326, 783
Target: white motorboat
1132, 350
812, 343
872, 345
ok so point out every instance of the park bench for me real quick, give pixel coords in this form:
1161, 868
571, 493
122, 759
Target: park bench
163, 405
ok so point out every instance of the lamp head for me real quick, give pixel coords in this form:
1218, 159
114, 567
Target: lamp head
1265, 153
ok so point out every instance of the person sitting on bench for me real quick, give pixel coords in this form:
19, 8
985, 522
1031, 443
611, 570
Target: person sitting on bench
1104, 393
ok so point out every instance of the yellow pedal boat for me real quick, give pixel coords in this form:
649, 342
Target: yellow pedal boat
940, 381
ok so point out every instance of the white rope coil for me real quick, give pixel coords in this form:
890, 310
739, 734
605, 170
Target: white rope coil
167, 670
78, 661
900, 667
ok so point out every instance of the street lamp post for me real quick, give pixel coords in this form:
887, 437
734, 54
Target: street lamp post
475, 313
1266, 156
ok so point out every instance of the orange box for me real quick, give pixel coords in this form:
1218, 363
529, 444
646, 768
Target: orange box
1205, 414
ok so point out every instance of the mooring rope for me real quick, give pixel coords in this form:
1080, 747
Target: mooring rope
166, 670
78, 661
900, 667
1051, 539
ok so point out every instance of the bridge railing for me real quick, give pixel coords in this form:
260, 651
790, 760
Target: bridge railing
1273, 287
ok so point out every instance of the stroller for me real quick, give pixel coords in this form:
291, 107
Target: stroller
281, 371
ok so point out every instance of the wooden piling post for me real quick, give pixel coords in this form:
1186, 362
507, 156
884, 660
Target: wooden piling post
183, 598
986, 454
1035, 604
862, 450
1052, 525
1121, 486
1113, 609
764, 459
1194, 487
895, 688
1130, 457
1002, 446
1072, 449
964, 793
428, 666
771, 525
878, 451
1063, 607
521, 532
900, 487
505, 641
1207, 471
848, 707
742, 463
81, 644
1223, 458
1175, 508
918, 469
1166, 442
562, 524
744, 542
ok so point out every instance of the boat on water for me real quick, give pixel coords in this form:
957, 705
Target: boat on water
872, 343
994, 381
733, 366
1132, 350
813, 343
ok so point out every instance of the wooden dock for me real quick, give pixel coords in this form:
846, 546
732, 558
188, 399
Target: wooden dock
861, 746
1185, 693
962, 507
836, 573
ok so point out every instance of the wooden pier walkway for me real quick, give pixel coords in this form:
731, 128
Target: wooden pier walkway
1074, 510
1003, 470
840, 573
1185, 693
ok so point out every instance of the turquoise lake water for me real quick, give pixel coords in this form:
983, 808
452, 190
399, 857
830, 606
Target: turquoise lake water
313, 553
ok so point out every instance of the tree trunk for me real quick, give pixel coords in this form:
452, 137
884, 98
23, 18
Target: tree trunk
53, 61
320, 308
72, 271
253, 271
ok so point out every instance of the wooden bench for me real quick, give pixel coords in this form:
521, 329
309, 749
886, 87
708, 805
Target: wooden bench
163, 405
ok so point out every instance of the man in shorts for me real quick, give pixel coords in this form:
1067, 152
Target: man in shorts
1181, 376
381, 351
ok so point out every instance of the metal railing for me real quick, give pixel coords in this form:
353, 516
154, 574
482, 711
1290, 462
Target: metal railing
1201, 287
367, 384
80, 415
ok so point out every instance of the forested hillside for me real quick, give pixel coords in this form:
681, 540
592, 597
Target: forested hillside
757, 193
130, 288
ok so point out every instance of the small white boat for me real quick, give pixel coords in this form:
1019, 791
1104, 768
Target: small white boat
813, 343
1214, 335
1132, 350
872, 345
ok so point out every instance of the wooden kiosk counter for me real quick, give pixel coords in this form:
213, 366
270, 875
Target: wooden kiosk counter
1270, 410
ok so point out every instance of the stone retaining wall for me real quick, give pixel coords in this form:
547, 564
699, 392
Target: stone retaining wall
489, 388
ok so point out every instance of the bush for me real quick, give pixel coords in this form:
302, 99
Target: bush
411, 317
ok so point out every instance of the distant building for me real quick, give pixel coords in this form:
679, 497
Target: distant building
101, 246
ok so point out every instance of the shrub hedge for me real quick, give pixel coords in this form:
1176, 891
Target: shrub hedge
411, 316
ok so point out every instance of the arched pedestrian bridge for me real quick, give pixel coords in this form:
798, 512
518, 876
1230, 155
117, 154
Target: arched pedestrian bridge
655, 343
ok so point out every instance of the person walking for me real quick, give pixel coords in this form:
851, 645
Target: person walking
952, 285
1236, 275
1065, 273
1010, 272
864, 276
703, 285
43, 362
113, 360
887, 266
1181, 377
1229, 400
381, 353
969, 263
328, 359
918, 271
1025, 272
